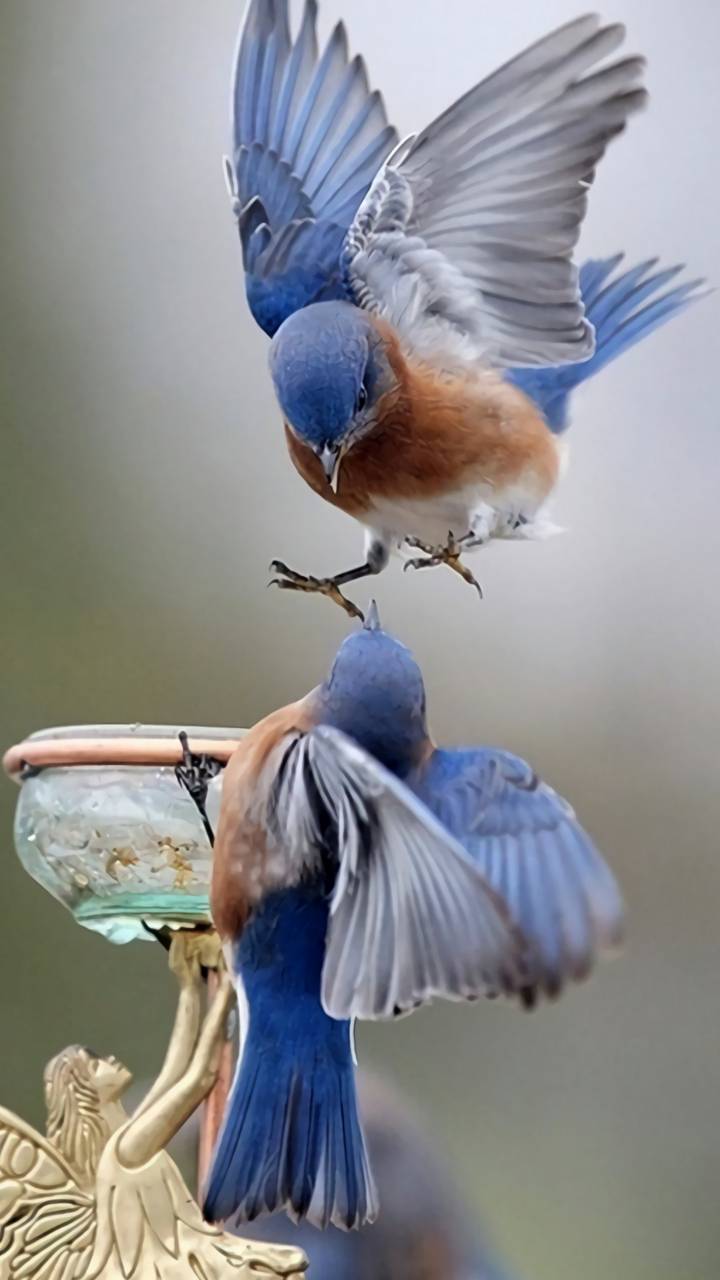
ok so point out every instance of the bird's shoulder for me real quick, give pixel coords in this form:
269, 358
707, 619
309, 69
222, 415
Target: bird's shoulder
241, 841
448, 767
461, 784
251, 754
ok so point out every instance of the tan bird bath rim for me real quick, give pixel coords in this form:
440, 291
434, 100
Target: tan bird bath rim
116, 745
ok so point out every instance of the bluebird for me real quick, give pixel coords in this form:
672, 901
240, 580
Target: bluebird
359, 872
406, 287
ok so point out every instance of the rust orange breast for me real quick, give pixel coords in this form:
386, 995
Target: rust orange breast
436, 434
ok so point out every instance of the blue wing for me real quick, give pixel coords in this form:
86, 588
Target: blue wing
308, 139
411, 916
623, 309
531, 849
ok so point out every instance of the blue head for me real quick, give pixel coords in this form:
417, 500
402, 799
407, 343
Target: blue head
375, 694
330, 369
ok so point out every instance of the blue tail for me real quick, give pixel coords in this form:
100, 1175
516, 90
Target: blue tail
291, 1137
623, 309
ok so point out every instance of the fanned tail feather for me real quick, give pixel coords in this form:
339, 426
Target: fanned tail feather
623, 309
292, 1141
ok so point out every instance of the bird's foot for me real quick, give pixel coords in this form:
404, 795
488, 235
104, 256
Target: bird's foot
449, 555
195, 773
289, 580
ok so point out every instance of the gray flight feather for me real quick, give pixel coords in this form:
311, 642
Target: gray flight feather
465, 240
411, 916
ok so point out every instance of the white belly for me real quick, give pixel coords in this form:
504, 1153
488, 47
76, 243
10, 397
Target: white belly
432, 519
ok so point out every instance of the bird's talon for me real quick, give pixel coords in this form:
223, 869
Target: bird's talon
277, 566
449, 555
418, 563
289, 580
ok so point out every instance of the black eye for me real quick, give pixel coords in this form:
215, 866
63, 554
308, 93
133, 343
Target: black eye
362, 398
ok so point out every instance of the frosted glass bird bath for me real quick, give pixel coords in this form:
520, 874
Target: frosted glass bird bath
103, 824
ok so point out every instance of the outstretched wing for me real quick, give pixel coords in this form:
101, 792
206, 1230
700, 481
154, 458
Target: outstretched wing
308, 140
528, 844
47, 1223
465, 240
411, 916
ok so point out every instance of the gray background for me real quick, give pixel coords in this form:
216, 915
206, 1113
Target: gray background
145, 488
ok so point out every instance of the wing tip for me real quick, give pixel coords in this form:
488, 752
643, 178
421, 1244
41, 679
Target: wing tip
339, 38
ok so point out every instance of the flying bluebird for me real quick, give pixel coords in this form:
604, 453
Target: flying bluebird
402, 285
359, 871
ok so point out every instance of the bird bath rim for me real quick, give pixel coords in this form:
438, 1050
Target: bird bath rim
73, 746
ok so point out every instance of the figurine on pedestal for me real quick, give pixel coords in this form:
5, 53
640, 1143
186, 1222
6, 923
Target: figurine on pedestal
99, 1196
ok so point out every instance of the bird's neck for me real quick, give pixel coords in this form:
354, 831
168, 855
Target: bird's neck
384, 731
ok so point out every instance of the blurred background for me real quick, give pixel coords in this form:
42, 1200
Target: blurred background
140, 447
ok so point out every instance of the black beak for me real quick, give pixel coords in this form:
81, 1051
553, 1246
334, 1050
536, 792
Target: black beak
330, 458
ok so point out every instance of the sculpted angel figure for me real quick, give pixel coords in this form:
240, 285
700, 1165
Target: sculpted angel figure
99, 1196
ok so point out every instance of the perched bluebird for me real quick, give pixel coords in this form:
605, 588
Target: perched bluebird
360, 871
404, 286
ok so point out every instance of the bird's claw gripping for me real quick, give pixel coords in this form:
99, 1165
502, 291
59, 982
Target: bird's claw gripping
195, 773
289, 580
449, 555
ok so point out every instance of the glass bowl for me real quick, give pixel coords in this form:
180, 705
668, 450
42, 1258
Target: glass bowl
103, 824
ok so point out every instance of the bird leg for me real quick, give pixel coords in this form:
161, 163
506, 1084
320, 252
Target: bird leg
289, 580
449, 555
195, 774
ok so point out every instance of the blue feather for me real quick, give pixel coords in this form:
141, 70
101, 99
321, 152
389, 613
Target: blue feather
531, 849
593, 275
298, 134
308, 139
346, 199
301, 282
291, 1138
298, 73
328, 157
623, 310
